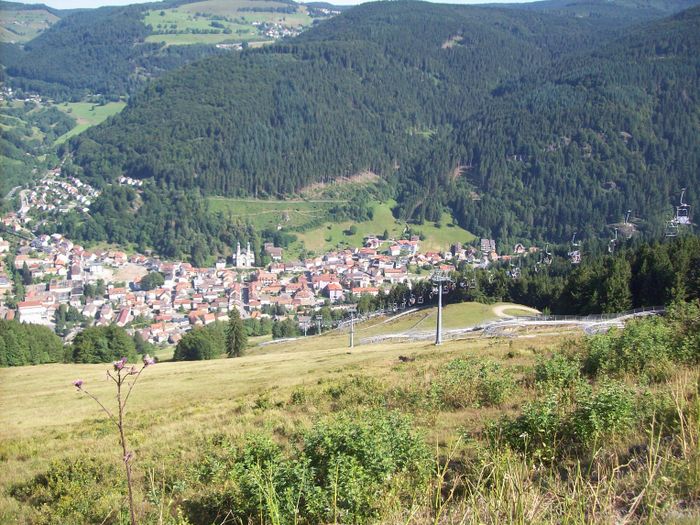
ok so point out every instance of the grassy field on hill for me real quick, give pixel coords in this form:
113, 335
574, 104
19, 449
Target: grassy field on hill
461, 315
21, 25
482, 430
319, 233
87, 115
190, 23
177, 405
437, 236
272, 213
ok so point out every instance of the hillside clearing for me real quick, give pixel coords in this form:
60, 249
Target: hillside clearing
87, 115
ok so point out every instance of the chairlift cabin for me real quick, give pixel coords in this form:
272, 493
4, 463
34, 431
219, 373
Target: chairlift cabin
671, 228
683, 212
575, 253
613, 243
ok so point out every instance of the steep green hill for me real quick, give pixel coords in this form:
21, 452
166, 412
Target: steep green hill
22, 22
359, 92
525, 124
94, 51
575, 145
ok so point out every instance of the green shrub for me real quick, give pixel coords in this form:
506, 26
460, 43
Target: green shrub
355, 459
607, 412
77, 491
465, 383
298, 397
340, 472
643, 348
537, 431
684, 319
550, 427
558, 371
357, 391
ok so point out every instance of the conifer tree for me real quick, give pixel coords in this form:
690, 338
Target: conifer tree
236, 337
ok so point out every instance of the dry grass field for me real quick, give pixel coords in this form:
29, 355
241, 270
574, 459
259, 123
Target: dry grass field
185, 415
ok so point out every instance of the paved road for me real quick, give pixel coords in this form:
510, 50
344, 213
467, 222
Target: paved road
23, 206
500, 310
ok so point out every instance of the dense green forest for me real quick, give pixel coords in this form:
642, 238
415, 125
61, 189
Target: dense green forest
638, 274
574, 146
28, 344
93, 51
523, 123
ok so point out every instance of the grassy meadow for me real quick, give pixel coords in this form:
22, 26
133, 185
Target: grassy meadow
264, 214
22, 25
308, 220
189, 20
87, 115
332, 234
481, 430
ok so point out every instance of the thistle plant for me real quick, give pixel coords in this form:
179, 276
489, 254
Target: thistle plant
120, 375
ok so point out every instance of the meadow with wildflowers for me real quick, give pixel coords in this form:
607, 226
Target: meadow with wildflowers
482, 430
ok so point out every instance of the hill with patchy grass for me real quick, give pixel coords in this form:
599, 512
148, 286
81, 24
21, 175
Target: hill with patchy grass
23, 22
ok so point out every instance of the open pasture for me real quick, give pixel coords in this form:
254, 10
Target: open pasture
87, 115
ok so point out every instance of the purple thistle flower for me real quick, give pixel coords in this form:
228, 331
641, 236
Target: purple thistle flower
148, 360
118, 365
78, 383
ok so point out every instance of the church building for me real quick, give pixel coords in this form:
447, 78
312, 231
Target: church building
243, 259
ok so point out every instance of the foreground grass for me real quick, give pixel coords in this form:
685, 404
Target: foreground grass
192, 426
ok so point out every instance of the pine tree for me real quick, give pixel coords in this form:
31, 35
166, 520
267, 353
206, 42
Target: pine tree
618, 297
236, 337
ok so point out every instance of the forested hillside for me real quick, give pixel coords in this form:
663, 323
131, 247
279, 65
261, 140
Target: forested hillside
575, 145
361, 91
22, 22
113, 51
93, 51
526, 124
